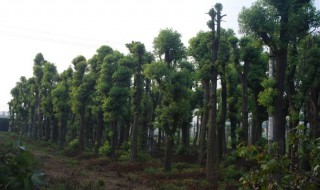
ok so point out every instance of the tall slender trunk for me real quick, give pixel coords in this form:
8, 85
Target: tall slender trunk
62, 133
245, 113
144, 135
168, 152
99, 130
36, 118
82, 129
270, 130
212, 145
185, 135
279, 103
204, 121
47, 128
55, 129
257, 119
134, 137
159, 139
279, 114
223, 116
151, 141
196, 131
314, 112
114, 138
137, 109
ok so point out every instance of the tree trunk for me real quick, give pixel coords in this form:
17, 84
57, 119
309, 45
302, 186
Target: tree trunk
114, 138
55, 130
159, 139
257, 119
196, 131
36, 118
168, 152
134, 137
81, 130
151, 141
47, 128
245, 113
185, 135
62, 134
314, 112
278, 115
99, 131
144, 135
212, 146
222, 133
204, 121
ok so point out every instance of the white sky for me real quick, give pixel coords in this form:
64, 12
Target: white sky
63, 29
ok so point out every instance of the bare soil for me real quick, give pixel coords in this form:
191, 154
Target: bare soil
86, 172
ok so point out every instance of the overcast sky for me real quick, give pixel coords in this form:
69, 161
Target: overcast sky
63, 29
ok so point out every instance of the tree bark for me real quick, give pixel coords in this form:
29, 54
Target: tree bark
196, 131
314, 112
185, 135
278, 115
134, 137
222, 133
245, 113
99, 130
168, 152
81, 130
212, 146
204, 121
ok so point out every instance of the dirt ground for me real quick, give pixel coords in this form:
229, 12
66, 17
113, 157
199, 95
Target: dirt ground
86, 172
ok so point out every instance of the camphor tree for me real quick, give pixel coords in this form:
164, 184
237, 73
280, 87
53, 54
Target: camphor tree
79, 96
137, 49
199, 49
212, 145
48, 83
172, 85
277, 23
61, 103
95, 64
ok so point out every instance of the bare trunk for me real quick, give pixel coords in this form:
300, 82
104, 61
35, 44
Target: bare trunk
55, 130
137, 109
196, 131
314, 112
151, 141
168, 152
81, 130
212, 145
245, 113
134, 137
204, 122
99, 131
278, 115
222, 133
185, 135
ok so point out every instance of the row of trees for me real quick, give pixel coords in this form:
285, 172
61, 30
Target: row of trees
119, 98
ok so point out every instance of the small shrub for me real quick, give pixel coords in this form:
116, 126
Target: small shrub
124, 155
72, 149
74, 144
144, 156
150, 170
17, 169
233, 173
105, 149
